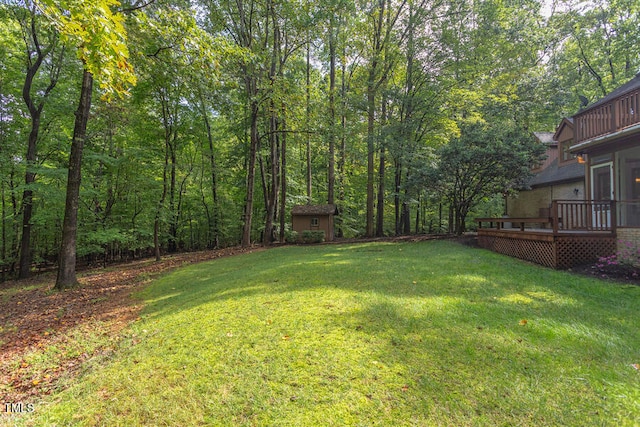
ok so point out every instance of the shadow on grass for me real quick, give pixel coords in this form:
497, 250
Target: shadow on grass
428, 333
478, 278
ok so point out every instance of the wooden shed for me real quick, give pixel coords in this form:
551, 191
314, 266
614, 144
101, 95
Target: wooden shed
314, 218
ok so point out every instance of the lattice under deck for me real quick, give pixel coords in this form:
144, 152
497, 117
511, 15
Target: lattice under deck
561, 252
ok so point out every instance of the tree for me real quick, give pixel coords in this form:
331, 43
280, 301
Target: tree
383, 17
484, 161
100, 38
35, 99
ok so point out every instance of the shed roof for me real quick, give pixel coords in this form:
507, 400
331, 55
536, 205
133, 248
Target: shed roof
314, 210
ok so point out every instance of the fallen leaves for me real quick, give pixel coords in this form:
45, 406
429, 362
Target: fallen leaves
33, 317
523, 322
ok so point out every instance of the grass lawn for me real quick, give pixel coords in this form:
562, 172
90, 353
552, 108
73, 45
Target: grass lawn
389, 334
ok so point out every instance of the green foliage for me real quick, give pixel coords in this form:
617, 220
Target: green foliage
291, 236
452, 79
99, 36
313, 236
485, 160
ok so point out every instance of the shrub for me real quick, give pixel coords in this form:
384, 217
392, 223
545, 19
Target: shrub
624, 264
291, 236
313, 236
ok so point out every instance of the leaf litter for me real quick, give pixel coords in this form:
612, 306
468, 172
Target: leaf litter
34, 318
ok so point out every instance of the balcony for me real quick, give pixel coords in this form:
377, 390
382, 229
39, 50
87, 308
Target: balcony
610, 117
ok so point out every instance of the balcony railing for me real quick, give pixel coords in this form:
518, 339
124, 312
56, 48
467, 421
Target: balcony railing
611, 117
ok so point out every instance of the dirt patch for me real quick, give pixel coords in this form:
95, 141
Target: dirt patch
619, 274
33, 316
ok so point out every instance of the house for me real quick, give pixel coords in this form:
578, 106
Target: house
560, 176
314, 218
604, 139
607, 137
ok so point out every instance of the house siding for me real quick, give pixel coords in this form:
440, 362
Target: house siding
301, 223
528, 203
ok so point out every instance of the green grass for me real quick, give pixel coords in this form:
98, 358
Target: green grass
423, 334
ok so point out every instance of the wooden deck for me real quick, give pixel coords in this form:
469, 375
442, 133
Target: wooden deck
578, 233
560, 249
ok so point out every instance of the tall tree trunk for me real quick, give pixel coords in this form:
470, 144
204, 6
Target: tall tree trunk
343, 145
397, 181
156, 221
274, 140
214, 188
371, 111
15, 244
27, 196
67, 265
273, 186
3, 266
36, 56
283, 175
308, 119
381, 175
251, 173
172, 245
332, 115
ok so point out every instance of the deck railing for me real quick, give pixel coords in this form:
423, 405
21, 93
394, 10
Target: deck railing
611, 117
584, 215
566, 216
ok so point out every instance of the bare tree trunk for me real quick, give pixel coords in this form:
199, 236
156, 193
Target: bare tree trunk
36, 55
156, 221
273, 187
27, 199
308, 118
343, 147
215, 217
67, 265
172, 244
332, 115
251, 173
397, 180
274, 140
371, 98
283, 175
4, 233
381, 175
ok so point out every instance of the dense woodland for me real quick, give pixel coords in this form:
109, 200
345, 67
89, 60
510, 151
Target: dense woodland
146, 127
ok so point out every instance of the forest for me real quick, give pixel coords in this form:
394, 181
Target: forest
143, 127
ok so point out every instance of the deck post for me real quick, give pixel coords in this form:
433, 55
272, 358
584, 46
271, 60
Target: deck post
614, 217
554, 216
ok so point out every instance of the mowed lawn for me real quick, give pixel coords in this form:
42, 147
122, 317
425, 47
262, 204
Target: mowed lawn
386, 334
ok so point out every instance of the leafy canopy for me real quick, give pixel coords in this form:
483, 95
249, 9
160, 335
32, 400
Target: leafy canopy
100, 37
